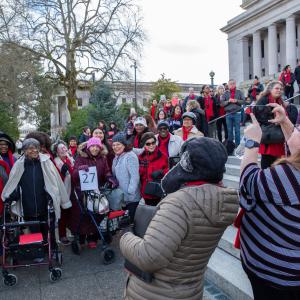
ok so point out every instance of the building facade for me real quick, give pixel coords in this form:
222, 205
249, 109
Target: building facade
263, 39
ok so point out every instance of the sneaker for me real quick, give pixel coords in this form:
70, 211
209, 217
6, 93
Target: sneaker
64, 241
92, 245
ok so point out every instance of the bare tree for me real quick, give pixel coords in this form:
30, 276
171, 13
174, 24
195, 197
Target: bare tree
75, 38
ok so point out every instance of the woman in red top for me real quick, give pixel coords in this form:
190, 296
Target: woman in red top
153, 166
271, 151
288, 78
154, 109
220, 113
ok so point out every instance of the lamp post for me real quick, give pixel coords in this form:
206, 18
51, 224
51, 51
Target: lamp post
135, 96
212, 75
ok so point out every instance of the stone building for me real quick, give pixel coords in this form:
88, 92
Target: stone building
263, 39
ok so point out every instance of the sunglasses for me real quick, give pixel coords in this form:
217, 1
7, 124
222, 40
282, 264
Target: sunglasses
150, 143
163, 128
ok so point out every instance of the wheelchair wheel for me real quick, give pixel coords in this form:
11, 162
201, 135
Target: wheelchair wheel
10, 280
76, 247
55, 274
107, 256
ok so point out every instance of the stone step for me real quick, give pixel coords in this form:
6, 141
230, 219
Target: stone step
226, 242
226, 272
233, 170
231, 181
233, 160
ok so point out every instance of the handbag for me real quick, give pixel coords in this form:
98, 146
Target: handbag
142, 219
271, 134
97, 203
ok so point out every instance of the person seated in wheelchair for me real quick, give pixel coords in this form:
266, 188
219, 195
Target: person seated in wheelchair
32, 183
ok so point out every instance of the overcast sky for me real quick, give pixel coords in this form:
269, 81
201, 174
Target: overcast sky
184, 39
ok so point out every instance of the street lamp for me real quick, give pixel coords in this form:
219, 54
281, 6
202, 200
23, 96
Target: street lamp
135, 97
212, 75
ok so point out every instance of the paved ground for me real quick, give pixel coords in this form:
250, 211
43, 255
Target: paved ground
84, 277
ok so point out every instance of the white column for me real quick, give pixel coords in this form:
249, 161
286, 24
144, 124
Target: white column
245, 58
272, 49
291, 41
256, 54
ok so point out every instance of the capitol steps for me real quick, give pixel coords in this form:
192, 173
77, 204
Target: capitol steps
224, 269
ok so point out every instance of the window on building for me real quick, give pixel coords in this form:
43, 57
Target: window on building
278, 43
263, 72
250, 76
279, 68
123, 100
262, 46
249, 51
79, 102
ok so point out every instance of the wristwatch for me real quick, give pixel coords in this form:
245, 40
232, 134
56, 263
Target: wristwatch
251, 144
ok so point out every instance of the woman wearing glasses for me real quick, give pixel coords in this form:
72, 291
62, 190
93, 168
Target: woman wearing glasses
153, 166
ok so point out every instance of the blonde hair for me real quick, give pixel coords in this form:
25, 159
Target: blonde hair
293, 160
192, 104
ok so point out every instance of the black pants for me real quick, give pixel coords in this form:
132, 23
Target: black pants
131, 207
220, 123
289, 92
267, 160
262, 291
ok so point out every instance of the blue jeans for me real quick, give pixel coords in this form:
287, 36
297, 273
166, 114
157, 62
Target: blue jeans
234, 120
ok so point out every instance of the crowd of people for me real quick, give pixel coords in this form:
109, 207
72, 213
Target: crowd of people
173, 159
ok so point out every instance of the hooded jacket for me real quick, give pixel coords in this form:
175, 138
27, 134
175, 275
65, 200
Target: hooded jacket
53, 185
178, 243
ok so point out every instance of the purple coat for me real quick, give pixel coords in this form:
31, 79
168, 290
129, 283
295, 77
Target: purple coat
103, 172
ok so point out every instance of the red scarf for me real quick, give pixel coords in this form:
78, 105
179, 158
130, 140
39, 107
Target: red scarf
192, 97
186, 132
177, 117
232, 93
153, 109
7, 170
253, 94
272, 100
209, 109
73, 150
287, 77
136, 142
167, 109
163, 144
68, 162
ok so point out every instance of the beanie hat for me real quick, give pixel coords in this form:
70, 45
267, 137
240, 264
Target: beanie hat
200, 159
140, 120
146, 136
94, 142
7, 139
163, 123
190, 115
30, 142
120, 137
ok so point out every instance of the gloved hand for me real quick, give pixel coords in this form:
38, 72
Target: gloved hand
157, 175
113, 182
84, 168
64, 169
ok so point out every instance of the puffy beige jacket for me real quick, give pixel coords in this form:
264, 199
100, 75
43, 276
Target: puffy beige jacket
178, 243
193, 133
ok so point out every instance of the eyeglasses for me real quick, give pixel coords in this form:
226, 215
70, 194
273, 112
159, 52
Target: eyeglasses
163, 128
3, 145
150, 143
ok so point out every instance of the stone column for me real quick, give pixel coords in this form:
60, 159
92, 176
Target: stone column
272, 49
290, 43
245, 58
256, 54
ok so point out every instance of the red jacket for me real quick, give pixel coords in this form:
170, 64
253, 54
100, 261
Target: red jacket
149, 163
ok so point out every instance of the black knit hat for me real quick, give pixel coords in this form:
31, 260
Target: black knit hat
120, 137
200, 159
163, 123
146, 136
8, 139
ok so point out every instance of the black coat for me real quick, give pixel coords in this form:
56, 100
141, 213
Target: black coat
259, 89
201, 122
297, 74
